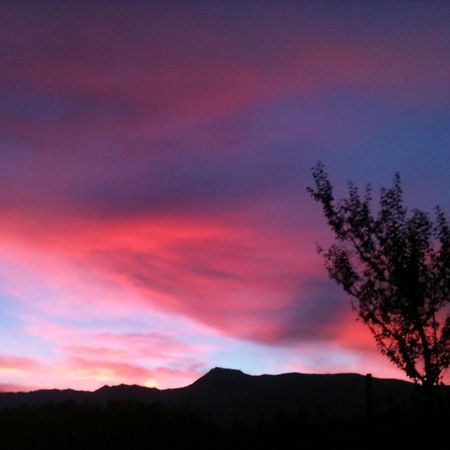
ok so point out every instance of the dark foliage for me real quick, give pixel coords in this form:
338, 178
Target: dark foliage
132, 425
396, 263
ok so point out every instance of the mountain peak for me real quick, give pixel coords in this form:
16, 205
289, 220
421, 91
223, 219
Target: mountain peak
222, 376
104, 388
224, 371
221, 373
122, 387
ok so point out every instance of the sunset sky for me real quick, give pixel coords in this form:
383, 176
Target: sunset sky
154, 158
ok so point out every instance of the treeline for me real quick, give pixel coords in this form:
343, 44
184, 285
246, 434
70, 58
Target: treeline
132, 425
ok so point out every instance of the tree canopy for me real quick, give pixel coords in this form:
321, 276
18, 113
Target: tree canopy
396, 263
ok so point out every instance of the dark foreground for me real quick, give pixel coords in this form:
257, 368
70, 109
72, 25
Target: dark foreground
227, 409
133, 425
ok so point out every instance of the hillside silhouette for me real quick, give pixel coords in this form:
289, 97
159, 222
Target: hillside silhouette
225, 409
225, 396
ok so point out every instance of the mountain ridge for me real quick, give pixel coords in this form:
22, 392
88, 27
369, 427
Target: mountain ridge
225, 395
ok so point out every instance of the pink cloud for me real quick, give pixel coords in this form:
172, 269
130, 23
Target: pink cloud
109, 372
123, 90
19, 373
90, 357
244, 280
10, 387
13, 364
132, 345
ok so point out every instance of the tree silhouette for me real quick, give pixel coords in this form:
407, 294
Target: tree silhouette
396, 264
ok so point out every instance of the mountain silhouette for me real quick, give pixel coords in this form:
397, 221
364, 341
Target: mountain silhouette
226, 395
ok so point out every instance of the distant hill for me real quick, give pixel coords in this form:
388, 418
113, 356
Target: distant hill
226, 395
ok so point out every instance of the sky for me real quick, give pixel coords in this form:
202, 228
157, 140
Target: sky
154, 159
